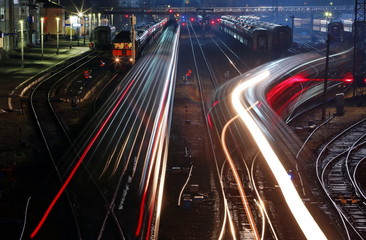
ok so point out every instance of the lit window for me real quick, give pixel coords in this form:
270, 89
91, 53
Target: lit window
2, 14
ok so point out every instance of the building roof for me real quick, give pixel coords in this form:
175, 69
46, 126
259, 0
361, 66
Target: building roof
50, 4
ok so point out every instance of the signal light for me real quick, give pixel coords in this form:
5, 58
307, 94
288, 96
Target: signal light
170, 10
117, 59
126, 16
192, 19
348, 80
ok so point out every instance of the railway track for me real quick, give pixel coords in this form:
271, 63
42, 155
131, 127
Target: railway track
237, 213
55, 134
339, 165
50, 126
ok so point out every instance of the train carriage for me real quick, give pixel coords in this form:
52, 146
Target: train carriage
336, 30
280, 35
122, 44
254, 38
264, 36
102, 37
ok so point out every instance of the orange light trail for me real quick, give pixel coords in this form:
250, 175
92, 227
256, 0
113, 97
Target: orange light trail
238, 181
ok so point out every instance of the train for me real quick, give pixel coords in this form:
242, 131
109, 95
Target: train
102, 37
258, 36
122, 44
336, 30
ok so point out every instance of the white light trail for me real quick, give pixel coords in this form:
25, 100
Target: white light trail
305, 220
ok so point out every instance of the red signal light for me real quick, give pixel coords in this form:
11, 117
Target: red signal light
192, 19
348, 80
126, 16
170, 10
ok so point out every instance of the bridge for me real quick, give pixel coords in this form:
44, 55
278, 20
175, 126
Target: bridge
228, 10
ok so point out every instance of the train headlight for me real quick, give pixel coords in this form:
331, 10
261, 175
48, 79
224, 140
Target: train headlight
116, 59
131, 59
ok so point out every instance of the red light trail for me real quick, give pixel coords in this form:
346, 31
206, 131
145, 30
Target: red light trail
91, 143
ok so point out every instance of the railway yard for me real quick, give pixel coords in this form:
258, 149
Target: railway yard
79, 87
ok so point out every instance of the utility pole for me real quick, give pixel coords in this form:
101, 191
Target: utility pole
326, 77
292, 26
30, 21
275, 6
359, 58
42, 27
11, 32
58, 34
22, 40
133, 38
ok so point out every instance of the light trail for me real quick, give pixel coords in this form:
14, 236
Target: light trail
156, 143
81, 159
305, 220
260, 201
237, 179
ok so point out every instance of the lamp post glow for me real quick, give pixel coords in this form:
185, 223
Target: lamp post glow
70, 36
57, 34
90, 24
73, 19
22, 39
82, 24
328, 14
99, 15
42, 22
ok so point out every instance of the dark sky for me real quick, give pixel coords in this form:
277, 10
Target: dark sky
252, 2
207, 3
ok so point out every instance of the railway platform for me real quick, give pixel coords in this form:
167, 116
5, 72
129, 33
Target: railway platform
11, 66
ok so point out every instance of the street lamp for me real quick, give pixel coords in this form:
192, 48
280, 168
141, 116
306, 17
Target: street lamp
99, 15
328, 14
22, 39
57, 34
94, 20
73, 19
90, 24
42, 22
80, 14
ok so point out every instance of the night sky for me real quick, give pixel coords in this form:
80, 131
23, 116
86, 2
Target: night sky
202, 3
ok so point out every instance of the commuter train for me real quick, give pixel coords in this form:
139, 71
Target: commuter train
122, 45
336, 30
102, 37
257, 35
254, 38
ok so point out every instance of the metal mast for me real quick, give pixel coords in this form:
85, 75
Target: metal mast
359, 57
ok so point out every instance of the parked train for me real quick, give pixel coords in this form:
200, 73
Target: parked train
336, 30
122, 44
102, 37
257, 35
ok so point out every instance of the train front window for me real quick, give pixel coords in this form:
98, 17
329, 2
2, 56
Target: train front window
282, 38
262, 42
